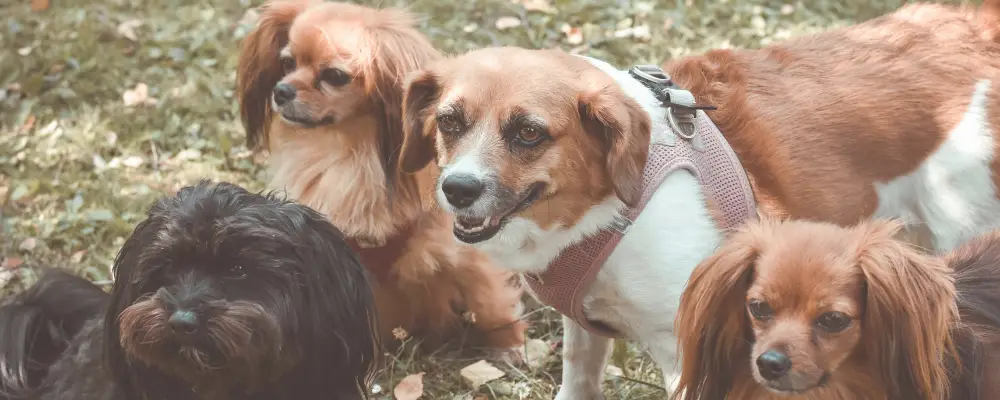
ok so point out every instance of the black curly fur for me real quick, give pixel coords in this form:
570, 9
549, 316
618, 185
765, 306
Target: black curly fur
977, 283
304, 311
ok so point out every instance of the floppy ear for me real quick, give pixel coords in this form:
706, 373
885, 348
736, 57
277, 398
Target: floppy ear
422, 90
135, 379
624, 128
259, 69
910, 306
338, 329
394, 50
713, 332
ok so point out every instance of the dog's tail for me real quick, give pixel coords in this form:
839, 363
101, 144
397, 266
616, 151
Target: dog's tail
988, 17
976, 265
36, 326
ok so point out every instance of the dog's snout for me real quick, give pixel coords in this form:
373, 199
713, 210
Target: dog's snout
462, 190
184, 322
773, 364
283, 93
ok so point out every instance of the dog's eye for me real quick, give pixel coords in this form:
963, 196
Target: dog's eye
449, 124
288, 64
335, 76
237, 272
760, 310
529, 136
833, 321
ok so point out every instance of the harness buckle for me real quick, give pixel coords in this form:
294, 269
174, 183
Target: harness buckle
621, 224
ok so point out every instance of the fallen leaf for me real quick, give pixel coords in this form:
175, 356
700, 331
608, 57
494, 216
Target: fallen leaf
787, 9
470, 28
132, 161
127, 29
536, 5
410, 388
507, 22
12, 262
78, 256
28, 244
138, 96
24, 51
574, 35
39, 5
480, 373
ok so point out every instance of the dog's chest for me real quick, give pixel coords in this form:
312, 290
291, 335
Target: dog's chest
638, 290
951, 196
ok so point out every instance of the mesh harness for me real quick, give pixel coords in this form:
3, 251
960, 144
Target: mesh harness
694, 144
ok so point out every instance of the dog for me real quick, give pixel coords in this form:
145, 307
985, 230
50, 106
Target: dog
543, 159
218, 294
320, 89
811, 310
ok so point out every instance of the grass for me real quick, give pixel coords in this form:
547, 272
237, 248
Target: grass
78, 166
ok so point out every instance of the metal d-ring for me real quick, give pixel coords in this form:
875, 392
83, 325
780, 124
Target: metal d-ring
651, 73
677, 128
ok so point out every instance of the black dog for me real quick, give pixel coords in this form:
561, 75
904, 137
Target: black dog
220, 294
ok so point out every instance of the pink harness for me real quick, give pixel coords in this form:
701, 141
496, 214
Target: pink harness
696, 145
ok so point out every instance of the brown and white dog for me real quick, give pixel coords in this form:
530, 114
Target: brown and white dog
540, 150
320, 89
813, 311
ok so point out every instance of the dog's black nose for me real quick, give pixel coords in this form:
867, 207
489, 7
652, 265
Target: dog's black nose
183, 321
283, 93
773, 364
461, 190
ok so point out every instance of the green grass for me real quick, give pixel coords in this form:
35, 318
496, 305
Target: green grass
78, 167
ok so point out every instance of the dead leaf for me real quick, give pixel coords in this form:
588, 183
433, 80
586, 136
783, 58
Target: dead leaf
127, 29
39, 5
787, 9
12, 262
536, 5
574, 35
78, 256
138, 96
28, 244
410, 388
507, 22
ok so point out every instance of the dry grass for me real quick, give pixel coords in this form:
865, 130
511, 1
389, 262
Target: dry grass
78, 167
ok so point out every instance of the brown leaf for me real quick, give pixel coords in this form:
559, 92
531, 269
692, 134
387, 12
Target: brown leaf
410, 388
78, 256
28, 244
39, 5
12, 262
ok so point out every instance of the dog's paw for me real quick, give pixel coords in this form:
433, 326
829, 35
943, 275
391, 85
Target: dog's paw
514, 356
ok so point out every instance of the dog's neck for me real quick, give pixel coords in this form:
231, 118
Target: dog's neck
337, 171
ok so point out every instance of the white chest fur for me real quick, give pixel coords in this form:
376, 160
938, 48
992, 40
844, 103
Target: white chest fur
951, 196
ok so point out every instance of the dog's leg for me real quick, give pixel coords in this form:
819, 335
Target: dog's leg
492, 298
584, 357
664, 353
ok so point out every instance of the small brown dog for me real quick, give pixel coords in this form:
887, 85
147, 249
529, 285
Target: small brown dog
320, 88
810, 310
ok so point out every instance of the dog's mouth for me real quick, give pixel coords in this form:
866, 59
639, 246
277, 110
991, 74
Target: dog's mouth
786, 388
470, 229
305, 122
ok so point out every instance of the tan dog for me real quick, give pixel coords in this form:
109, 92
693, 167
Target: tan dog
810, 310
541, 151
320, 87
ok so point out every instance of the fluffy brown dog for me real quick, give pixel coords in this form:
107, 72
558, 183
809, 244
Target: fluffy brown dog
320, 88
809, 310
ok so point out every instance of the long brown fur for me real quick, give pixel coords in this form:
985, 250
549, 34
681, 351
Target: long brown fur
349, 169
928, 325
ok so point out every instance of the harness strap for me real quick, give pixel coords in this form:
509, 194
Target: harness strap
701, 150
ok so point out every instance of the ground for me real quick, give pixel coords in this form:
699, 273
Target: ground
105, 105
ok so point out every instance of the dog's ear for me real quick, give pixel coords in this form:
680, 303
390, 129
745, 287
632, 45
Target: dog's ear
338, 330
422, 90
620, 124
134, 379
393, 50
909, 307
713, 331
259, 67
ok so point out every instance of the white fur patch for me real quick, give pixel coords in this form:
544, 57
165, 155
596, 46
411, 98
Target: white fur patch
951, 197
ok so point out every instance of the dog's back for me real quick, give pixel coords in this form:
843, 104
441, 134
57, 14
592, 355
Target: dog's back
977, 281
37, 325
